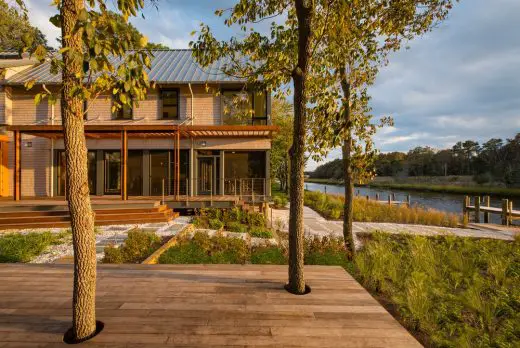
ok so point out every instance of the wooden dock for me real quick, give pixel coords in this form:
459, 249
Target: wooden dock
484, 208
197, 306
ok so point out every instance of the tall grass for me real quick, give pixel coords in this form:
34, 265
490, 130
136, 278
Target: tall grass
331, 207
466, 190
456, 292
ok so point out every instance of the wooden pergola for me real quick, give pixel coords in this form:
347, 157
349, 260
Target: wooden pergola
124, 131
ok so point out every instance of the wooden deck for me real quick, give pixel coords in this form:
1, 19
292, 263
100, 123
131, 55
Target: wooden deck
197, 306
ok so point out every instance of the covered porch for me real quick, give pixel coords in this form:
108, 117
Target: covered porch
184, 172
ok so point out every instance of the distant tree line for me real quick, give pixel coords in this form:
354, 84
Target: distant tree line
495, 160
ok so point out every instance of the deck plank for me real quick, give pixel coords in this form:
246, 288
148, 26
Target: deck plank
197, 305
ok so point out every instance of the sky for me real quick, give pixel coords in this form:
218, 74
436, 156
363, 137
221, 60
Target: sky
461, 81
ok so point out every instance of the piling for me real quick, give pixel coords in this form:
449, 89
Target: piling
487, 204
505, 217
477, 209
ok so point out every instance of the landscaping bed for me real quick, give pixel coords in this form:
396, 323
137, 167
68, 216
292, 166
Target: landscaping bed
138, 246
25, 247
448, 291
331, 207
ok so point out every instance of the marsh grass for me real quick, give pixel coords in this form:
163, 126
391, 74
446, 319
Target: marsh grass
18, 247
455, 292
331, 207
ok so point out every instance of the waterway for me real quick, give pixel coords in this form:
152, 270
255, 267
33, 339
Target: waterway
441, 201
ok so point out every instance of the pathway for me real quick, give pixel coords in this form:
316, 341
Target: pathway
316, 225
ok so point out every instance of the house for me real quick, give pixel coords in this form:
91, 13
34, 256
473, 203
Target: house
185, 142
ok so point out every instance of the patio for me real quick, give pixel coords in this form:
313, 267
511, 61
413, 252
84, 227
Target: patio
197, 305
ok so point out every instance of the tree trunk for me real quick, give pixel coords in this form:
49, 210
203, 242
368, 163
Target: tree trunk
296, 234
82, 219
348, 233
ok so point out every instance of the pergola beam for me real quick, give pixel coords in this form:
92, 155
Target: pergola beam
17, 183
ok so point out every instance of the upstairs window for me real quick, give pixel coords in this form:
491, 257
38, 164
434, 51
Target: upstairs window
124, 113
244, 108
170, 104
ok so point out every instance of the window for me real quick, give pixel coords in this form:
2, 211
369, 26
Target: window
241, 107
124, 113
170, 104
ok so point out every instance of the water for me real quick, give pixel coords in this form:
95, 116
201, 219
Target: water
447, 202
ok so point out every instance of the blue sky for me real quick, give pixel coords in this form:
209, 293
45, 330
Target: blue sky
461, 81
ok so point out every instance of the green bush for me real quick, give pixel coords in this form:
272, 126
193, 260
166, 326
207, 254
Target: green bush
204, 249
260, 232
233, 215
277, 201
17, 247
270, 255
211, 213
255, 219
215, 224
137, 247
234, 226
200, 222
456, 292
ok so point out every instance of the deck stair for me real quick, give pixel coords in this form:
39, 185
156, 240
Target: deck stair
58, 217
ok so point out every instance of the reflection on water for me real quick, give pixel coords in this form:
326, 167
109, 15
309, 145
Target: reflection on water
441, 201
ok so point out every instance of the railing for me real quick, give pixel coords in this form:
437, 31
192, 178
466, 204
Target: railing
247, 189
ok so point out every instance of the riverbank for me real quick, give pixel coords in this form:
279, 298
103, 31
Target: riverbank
453, 189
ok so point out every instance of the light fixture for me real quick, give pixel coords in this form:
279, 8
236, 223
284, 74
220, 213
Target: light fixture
28, 144
203, 143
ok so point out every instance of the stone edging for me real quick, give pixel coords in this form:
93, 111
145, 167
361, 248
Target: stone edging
154, 258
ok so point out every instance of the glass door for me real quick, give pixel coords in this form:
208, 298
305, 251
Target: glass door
112, 161
135, 173
159, 172
206, 174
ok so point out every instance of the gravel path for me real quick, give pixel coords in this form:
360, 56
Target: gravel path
106, 235
316, 225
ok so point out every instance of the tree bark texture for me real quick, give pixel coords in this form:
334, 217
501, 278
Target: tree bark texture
296, 233
348, 233
82, 219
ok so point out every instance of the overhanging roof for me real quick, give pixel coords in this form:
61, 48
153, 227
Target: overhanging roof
153, 131
168, 67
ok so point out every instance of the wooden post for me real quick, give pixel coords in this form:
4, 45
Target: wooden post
377, 197
505, 206
17, 185
408, 199
389, 199
487, 203
368, 197
124, 165
178, 165
477, 209
393, 197
510, 219
465, 211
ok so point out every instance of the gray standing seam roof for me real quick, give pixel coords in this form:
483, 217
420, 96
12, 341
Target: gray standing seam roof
168, 67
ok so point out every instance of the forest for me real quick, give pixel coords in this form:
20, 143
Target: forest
495, 160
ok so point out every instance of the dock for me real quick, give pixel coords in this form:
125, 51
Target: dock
483, 207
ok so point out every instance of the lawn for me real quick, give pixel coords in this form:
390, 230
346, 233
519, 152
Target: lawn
17, 247
331, 207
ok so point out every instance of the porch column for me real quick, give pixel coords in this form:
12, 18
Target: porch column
268, 173
192, 169
178, 166
17, 185
124, 165
222, 181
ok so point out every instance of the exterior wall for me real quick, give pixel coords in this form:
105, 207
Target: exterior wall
17, 107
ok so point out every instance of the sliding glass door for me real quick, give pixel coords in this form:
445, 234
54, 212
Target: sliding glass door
135, 173
159, 172
112, 161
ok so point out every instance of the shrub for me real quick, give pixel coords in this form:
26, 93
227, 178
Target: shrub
268, 255
211, 213
17, 247
260, 232
255, 219
137, 247
236, 227
200, 222
233, 215
280, 201
204, 249
215, 224
457, 292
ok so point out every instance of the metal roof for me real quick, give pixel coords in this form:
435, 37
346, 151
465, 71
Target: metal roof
168, 67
